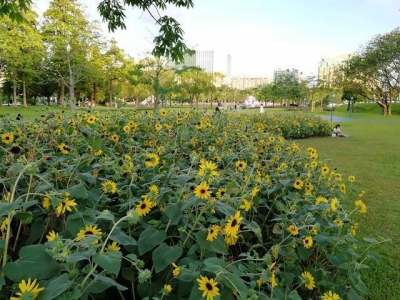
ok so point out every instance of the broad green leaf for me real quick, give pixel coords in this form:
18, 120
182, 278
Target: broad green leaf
6, 207
78, 191
34, 262
234, 282
214, 261
352, 295
149, 239
294, 296
55, 287
87, 177
109, 261
173, 212
164, 256
73, 295
224, 208
304, 253
81, 255
370, 240
23, 216
122, 238
188, 276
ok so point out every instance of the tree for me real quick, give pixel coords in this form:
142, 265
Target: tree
168, 43
375, 71
68, 36
194, 81
21, 50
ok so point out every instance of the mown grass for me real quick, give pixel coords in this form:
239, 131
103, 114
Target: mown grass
372, 155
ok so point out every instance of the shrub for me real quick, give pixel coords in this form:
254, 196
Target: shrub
177, 205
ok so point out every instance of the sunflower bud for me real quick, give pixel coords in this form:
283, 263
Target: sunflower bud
133, 216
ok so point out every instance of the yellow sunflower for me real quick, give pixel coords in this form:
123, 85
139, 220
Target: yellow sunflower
298, 184
202, 191
352, 178
52, 236
158, 127
208, 168
113, 247
7, 138
66, 204
114, 138
4, 224
307, 242
320, 200
231, 240
293, 229
28, 290
246, 206
334, 203
177, 270
329, 295
324, 170
209, 287
88, 231
221, 192
233, 224
46, 203
109, 187
212, 233
309, 280
144, 207
151, 160
64, 149
362, 208
91, 119
240, 166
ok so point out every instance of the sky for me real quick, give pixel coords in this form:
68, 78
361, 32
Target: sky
262, 35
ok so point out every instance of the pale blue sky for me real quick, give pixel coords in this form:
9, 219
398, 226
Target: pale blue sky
263, 35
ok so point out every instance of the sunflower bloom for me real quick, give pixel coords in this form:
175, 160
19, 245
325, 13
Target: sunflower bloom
177, 270
233, 224
329, 295
28, 290
209, 287
202, 191
246, 206
334, 203
298, 184
324, 170
240, 166
166, 289
362, 208
46, 203
272, 280
293, 229
4, 224
7, 138
351, 178
307, 242
91, 119
221, 192
65, 205
64, 149
88, 231
212, 233
208, 168
113, 247
52, 236
109, 187
144, 207
151, 160
309, 280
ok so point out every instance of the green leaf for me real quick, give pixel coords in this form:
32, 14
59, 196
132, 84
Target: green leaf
149, 239
83, 255
212, 261
181, 180
6, 207
23, 216
55, 287
164, 255
234, 282
370, 240
352, 295
87, 177
2, 281
304, 253
174, 212
78, 191
224, 208
294, 296
188, 276
74, 295
34, 262
122, 238
109, 261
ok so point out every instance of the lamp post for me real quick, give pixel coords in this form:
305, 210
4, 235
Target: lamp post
333, 96
351, 105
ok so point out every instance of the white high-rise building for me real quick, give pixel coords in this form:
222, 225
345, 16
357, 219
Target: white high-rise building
328, 66
210, 61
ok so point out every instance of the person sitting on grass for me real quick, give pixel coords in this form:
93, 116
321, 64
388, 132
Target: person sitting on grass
338, 132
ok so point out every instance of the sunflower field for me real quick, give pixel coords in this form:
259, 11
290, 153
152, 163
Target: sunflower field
175, 205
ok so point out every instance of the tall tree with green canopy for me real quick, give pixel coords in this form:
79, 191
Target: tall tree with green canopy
21, 50
68, 36
169, 41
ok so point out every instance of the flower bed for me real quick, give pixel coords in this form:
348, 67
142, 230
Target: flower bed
177, 205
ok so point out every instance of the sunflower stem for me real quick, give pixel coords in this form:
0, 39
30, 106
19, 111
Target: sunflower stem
194, 225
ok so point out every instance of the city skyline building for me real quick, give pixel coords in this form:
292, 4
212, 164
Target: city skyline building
210, 61
327, 67
280, 74
248, 82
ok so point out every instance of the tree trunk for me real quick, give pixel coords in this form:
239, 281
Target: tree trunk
384, 108
94, 91
61, 95
110, 97
24, 90
14, 92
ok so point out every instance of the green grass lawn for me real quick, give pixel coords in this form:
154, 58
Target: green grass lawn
371, 154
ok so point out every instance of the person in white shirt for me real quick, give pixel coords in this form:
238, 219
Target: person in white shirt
261, 109
338, 132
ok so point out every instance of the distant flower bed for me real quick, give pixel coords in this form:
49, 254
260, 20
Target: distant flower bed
175, 205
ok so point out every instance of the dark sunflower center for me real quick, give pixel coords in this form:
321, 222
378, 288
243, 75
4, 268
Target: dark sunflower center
234, 222
203, 191
88, 232
306, 241
209, 286
222, 193
143, 206
211, 231
7, 138
240, 165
